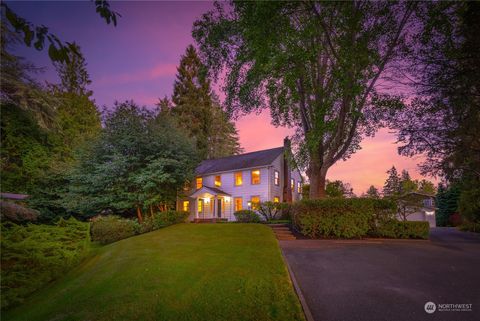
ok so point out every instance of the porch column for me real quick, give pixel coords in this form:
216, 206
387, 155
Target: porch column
215, 207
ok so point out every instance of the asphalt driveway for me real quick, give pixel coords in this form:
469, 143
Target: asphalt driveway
389, 279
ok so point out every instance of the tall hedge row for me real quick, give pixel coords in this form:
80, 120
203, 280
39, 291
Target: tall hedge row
353, 218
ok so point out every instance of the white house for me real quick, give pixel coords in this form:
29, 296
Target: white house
228, 184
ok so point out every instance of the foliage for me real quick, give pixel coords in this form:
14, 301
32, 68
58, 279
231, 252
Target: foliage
372, 192
469, 205
392, 184
447, 204
272, 210
58, 50
338, 217
154, 276
315, 65
338, 188
34, 255
16, 213
305, 191
246, 216
166, 218
198, 110
139, 161
408, 204
108, 229
403, 230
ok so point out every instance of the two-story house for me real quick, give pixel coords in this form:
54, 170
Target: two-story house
229, 184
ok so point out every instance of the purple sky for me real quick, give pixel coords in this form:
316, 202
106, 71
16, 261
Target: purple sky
138, 58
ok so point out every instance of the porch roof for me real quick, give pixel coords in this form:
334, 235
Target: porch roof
209, 190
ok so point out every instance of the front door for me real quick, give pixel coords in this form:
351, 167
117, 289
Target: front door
219, 208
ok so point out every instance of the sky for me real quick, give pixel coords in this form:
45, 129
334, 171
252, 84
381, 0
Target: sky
137, 60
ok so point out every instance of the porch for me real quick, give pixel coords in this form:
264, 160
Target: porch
212, 205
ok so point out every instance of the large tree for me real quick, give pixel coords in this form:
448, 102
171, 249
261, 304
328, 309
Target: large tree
198, 110
315, 65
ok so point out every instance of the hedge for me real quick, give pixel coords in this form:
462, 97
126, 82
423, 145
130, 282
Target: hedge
246, 216
34, 255
108, 229
353, 218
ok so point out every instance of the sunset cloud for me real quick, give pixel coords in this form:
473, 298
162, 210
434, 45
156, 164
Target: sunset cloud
158, 71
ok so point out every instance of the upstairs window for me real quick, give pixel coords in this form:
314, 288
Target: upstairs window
238, 179
276, 178
255, 177
292, 184
199, 182
218, 180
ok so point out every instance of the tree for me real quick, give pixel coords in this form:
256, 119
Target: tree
338, 188
139, 161
198, 110
426, 187
315, 65
372, 192
74, 77
392, 184
447, 203
407, 185
58, 50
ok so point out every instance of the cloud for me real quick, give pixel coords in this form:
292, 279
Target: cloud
158, 71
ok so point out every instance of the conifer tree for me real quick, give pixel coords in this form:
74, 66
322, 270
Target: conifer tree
198, 111
392, 184
372, 192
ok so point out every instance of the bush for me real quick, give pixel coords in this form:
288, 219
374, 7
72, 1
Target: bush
413, 230
34, 255
247, 216
108, 229
17, 213
470, 227
162, 219
339, 217
273, 210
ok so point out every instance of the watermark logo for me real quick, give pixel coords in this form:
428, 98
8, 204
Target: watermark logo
430, 307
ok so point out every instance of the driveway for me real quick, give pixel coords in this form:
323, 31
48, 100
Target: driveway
388, 279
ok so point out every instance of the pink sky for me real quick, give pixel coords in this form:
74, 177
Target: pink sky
138, 58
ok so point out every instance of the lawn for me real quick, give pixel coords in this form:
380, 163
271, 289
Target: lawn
183, 272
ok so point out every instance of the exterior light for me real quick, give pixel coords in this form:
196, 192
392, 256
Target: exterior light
429, 212
207, 200
227, 199
249, 204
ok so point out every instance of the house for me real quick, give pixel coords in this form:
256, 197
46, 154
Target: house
415, 206
225, 185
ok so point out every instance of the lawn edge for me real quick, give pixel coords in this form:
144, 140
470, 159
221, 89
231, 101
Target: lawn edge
298, 291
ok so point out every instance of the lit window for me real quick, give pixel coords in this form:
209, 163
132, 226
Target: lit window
199, 182
292, 184
276, 199
200, 206
238, 204
255, 177
299, 187
218, 180
276, 178
255, 201
186, 206
238, 179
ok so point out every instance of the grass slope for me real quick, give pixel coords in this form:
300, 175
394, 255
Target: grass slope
183, 272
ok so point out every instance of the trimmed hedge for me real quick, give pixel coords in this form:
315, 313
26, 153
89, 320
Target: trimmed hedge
247, 216
109, 229
353, 218
34, 255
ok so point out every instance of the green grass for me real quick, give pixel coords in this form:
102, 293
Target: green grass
183, 272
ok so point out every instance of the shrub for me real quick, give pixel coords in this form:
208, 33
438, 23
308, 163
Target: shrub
413, 230
272, 210
108, 229
34, 255
162, 219
339, 217
470, 227
247, 216
17, 213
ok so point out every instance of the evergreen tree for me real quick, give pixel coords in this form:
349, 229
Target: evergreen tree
372, 192
407, 185
74, 77
426, 187
198, 110
447, 203
392, 184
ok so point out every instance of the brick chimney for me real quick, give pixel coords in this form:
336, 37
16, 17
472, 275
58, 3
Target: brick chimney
287, 190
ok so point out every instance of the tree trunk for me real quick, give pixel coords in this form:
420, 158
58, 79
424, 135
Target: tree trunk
139, 215
317, 176
151, 211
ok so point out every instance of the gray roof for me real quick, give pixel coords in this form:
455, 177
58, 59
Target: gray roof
13, 196
248, 160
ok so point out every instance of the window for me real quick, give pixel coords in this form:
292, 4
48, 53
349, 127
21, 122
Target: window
186, 206
299, 187
292, 184
238, 204
200, 206
199, 181
255, 177
238, 179
276, 199
276, 177
255, 200
218, 180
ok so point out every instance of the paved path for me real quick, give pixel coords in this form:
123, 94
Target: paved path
388, 279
